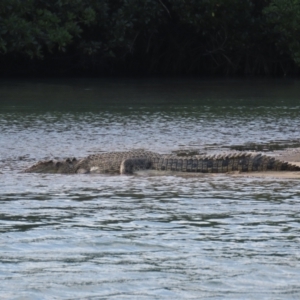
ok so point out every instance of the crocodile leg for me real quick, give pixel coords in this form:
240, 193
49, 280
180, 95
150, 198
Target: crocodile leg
130, 165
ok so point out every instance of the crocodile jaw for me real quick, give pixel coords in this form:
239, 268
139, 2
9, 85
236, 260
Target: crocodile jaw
42, 167
52, 166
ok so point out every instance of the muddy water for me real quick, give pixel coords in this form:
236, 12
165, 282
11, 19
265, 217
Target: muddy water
146, 236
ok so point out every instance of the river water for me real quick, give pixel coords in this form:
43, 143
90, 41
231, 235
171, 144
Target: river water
146, 236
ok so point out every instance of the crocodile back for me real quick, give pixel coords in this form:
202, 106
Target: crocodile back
111, 162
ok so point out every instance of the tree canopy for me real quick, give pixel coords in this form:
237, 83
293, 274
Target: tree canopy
150, 37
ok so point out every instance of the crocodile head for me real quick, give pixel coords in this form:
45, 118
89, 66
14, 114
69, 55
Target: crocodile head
52, 166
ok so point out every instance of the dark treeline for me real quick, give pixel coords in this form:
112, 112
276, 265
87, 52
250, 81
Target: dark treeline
150, 37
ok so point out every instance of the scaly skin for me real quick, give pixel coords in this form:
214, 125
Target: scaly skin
131, 161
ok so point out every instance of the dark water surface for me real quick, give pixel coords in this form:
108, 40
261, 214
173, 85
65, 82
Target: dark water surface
146, 236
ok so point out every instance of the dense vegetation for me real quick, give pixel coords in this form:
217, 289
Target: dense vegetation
158, 37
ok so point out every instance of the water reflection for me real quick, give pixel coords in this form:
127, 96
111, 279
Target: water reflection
147, 95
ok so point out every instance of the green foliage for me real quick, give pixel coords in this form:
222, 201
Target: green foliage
221, 29
284, 19
32, 27
225, 37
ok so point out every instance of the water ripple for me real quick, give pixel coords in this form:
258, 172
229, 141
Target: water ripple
145, 236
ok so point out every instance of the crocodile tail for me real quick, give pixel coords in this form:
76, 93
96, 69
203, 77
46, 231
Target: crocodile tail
266, 163
292, 167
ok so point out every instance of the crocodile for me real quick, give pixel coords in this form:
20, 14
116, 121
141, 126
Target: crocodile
132, 161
